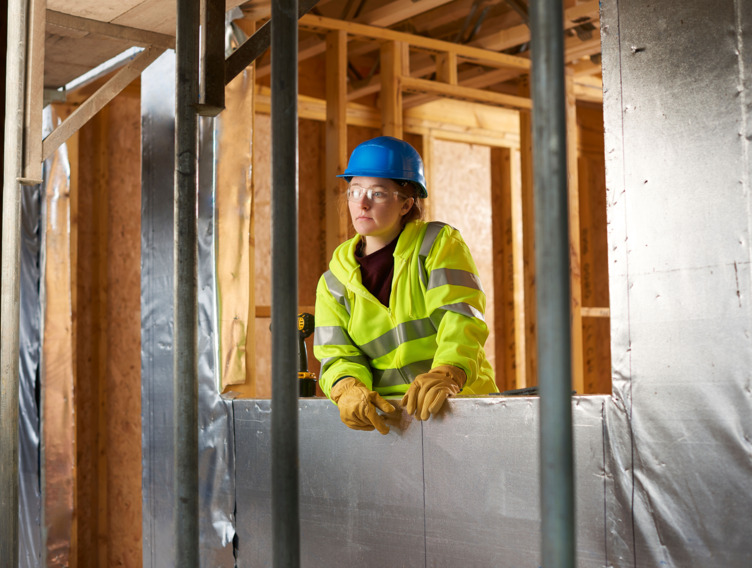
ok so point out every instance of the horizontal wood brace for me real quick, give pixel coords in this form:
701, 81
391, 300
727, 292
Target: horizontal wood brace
142, 38
466, 53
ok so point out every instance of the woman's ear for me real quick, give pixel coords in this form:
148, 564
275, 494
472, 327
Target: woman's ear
407, 205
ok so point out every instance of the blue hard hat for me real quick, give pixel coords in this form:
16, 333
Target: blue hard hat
387, 157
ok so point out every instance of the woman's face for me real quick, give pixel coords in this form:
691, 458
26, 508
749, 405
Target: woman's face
379, 220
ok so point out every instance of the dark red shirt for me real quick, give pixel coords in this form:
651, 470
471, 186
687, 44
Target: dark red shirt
377, 271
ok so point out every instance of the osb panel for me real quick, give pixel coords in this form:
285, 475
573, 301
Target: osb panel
461, 195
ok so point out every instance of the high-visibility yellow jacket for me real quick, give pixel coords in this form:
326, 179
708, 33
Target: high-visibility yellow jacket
435, 315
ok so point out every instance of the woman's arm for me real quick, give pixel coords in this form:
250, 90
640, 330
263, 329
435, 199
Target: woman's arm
332, 344
454, 293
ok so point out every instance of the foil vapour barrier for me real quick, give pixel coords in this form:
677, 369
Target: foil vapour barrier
677, 105
216, 471
29, 459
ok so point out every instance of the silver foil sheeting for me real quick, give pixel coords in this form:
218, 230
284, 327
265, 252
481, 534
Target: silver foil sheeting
677, 79
29, 460
216, 468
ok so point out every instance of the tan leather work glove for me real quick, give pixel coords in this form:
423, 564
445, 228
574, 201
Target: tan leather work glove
429, 390
357, 405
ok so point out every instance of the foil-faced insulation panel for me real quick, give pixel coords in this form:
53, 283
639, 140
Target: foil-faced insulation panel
458, 490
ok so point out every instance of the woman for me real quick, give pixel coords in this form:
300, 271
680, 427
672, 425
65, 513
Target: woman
400, 310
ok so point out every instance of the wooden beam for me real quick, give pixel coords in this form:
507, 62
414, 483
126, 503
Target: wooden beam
588, 89
307, 48
575, 257
575, 49
34, 94
595, 312
491, 131
416, 85
397, 11
392, 75
212, 86
463, 52
98, 100
133, 36
518, 35
256, 45
336, 136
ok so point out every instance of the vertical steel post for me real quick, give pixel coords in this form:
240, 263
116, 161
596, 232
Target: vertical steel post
185, 370
552, 282
11, 281
284, 78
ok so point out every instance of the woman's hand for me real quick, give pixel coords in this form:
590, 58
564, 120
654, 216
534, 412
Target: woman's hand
357, 405
428, 391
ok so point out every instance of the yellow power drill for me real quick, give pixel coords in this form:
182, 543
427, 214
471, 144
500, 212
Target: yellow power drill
307, 379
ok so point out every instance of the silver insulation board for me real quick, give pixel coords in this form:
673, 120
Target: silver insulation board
459, 490
677, 116
216, 441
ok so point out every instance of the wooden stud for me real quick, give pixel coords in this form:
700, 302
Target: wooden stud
575, 271
446, 67
391, 88
503, 268
524, 271
34, 94
336, 137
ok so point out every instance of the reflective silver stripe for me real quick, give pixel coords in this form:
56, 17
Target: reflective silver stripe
336, 289
357, 359
402, 376
331, 335
454, 277
432, 231
389, 341
464, 309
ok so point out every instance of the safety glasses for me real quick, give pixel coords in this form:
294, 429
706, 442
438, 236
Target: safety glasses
378, 195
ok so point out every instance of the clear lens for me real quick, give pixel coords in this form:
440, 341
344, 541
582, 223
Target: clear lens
356, 193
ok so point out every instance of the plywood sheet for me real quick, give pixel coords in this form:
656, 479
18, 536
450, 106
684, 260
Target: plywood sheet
66, 58
461, 195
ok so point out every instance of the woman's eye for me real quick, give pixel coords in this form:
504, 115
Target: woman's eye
379, 194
